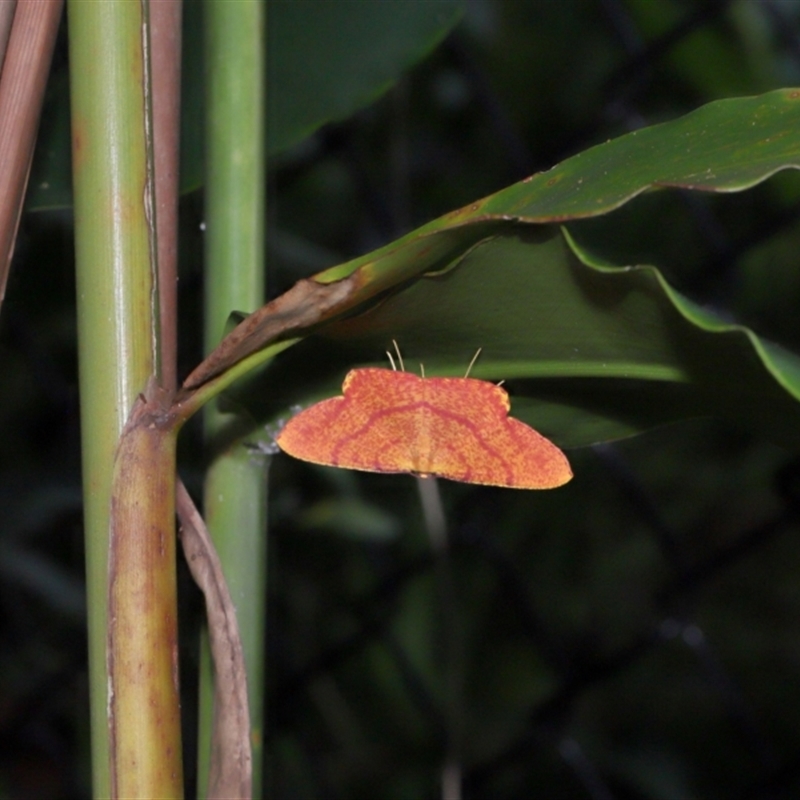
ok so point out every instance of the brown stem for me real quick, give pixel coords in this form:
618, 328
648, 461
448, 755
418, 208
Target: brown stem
144, 702
165, 41
25, 69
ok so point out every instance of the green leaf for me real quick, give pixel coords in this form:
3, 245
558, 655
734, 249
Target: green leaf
590, 351
725, 146
328, 59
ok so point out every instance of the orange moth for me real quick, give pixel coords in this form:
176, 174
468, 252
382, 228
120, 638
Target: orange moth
388, 420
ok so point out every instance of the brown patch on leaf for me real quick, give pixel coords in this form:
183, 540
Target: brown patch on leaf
307, 303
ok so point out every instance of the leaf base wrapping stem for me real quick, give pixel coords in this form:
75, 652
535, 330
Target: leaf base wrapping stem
143, 701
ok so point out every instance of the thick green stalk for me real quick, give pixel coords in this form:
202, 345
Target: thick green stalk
116, 286
235, 489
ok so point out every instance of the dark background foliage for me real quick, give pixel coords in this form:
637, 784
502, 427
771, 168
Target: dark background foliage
634, 635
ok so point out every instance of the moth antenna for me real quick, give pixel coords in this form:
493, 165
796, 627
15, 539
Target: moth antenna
421, 369
500, 383
391, 361
399, 357
472, 363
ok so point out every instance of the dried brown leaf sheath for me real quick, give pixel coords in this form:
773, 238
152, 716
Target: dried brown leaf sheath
231, 757
143, 701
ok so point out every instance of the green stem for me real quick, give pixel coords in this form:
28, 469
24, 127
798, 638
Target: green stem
235, 487
115, 284
451, 636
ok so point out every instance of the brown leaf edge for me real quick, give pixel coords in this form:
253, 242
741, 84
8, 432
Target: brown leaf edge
307, 303
230, 772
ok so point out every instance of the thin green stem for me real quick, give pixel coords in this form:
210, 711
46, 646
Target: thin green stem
451, 637
235, 488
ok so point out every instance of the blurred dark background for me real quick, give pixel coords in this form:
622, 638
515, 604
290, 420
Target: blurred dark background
638, 641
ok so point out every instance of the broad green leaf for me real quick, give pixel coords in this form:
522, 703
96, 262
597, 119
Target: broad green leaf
326, 60
598, 352
588, 352
725, 146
